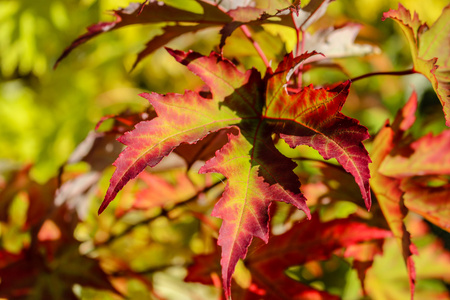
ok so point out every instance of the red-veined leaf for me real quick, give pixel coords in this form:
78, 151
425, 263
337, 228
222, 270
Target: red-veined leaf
312, 117
257, 172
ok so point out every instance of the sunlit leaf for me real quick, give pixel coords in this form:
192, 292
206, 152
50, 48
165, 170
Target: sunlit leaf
430, 47
257, 172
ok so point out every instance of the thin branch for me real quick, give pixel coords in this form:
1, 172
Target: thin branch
300, 69
248, 34
127, 273
297, 32
392, 73
300, 48
301, 158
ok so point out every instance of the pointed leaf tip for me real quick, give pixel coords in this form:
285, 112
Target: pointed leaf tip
257, 175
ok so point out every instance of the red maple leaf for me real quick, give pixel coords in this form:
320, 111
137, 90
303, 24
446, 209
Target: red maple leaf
257, 173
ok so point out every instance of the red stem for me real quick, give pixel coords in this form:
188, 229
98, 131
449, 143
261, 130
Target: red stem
300, 68
299, 50
297, 32
255, 44
393, 73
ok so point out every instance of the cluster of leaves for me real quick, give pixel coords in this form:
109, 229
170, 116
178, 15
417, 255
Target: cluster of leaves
244, 124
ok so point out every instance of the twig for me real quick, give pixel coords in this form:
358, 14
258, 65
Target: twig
247, 33
299, 50
301, 158
392, 73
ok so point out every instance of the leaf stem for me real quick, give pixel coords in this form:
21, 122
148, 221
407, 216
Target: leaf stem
393, 73
248, 34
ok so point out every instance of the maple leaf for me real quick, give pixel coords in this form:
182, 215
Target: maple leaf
257, 172
389, 196
430, 47
387, 189
305, 242
422, 168
228, 14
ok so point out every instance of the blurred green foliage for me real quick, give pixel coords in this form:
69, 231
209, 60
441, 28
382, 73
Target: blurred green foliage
45, 113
